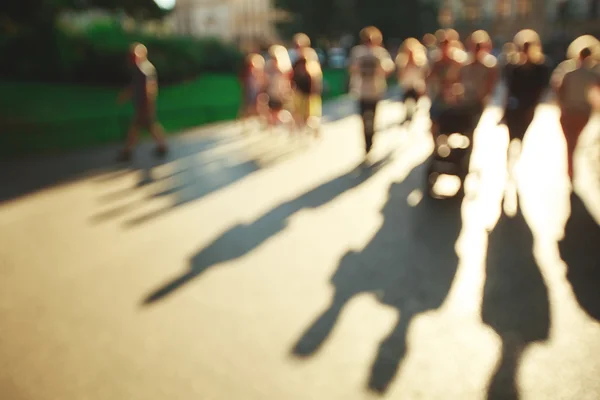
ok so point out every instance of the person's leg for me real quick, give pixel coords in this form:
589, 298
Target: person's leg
315, 113
131, 140
158, 134
149, 121
572, 126
368, 114
362, 110
298, 110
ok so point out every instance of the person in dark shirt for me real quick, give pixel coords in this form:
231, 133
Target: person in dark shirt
143, 91
527, 78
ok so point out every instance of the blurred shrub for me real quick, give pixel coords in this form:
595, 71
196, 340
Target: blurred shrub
98, 55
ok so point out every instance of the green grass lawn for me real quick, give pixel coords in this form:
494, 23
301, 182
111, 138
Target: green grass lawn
45, 117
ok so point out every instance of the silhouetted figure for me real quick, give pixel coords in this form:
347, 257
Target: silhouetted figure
580, 250
144, 92
253, 83
307, 81
479, 76
527, 76
243, 238
515, 300
572, 82
409, 264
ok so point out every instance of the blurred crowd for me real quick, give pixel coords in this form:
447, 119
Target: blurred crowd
459, 77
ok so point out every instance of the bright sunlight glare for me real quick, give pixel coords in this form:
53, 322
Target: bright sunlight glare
165, 4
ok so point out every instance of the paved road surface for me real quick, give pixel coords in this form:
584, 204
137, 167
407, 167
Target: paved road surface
257, 267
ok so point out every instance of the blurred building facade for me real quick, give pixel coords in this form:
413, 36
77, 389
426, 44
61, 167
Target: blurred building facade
504, 18
245, 22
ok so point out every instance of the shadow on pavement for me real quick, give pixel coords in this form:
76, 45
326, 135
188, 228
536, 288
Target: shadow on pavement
580, 250
409, 264
515, 300
30, 174
195, 179
243, 238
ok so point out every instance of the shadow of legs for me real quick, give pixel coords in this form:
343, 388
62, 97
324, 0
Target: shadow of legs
391, 352
318, 332
503, 385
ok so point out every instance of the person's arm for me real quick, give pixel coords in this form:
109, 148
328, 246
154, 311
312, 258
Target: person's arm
560, 92
594, 97
557, 77
152, 88
317, 79
353, 62
387, 64
400, 67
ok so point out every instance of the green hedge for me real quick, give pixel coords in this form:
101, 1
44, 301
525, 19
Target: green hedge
50, 117
99, 56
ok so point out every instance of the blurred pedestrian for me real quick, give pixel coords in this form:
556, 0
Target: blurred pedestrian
370, 65
443, 82
308, 85
479, 75
412, 69
253, 83
300, 42
573, 84
144, 92
430, 43
527, 77
279, 87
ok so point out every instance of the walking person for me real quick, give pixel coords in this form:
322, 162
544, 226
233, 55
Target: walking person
370, 65
443, 82
479, 76
253, 83
144, 92
573, 85
527, 76
279, 87
308, 86
412, 69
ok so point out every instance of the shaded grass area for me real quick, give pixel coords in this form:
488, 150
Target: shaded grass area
45, 117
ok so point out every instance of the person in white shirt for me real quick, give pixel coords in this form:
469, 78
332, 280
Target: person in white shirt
412, 70
279, 87
573, 82
370, 65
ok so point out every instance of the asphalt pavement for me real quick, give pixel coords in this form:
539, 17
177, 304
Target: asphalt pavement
261, 265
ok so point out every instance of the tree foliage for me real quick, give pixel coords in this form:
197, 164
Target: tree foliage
41, 13
334, 18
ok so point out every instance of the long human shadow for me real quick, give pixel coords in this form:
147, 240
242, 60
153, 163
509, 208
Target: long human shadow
580, 250
24, 175
243, 238
409, 264
193, 180
515, 300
